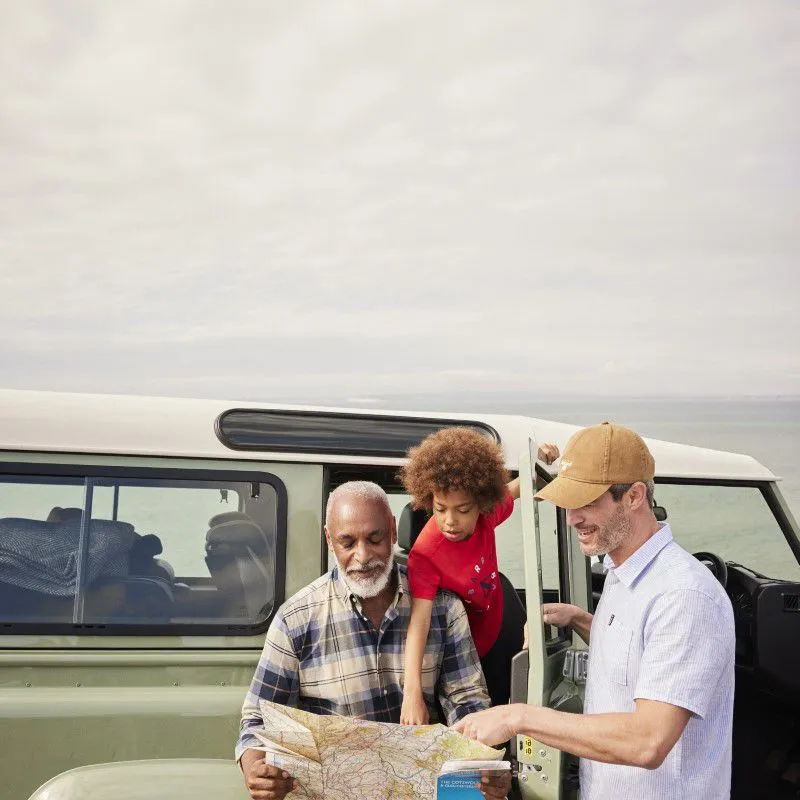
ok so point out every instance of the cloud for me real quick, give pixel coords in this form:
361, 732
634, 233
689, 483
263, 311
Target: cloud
401, 196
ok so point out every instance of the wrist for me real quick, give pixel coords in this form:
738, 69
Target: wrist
518, 717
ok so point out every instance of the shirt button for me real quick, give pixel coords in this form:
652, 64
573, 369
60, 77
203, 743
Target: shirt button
386, 691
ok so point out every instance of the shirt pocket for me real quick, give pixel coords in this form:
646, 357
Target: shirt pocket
616, 651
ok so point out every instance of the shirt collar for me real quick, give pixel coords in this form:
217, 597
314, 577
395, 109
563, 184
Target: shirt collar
348, 597
638, 561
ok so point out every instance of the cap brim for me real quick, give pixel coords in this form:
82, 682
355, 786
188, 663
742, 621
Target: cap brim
570, 494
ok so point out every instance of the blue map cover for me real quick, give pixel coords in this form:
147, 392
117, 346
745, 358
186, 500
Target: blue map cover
462, 784
459, 786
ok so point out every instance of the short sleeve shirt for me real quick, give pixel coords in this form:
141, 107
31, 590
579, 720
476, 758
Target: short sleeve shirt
467, 568
663, 630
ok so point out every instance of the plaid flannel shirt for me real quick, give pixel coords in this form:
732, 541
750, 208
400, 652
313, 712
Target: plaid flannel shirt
323, 655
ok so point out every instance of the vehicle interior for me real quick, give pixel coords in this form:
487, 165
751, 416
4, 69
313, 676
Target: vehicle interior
132, 554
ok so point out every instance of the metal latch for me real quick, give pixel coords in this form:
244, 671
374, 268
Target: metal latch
576, 665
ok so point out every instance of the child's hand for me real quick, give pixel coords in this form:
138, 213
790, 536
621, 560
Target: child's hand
413, 711
548, 453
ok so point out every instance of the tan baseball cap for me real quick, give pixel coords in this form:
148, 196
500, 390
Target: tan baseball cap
596, 458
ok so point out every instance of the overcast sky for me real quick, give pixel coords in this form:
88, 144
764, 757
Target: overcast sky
316, 201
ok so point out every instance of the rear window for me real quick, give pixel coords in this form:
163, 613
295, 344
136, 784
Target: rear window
331, 433
126, 551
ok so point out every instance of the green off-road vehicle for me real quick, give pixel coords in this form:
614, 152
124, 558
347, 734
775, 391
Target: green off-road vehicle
145, 545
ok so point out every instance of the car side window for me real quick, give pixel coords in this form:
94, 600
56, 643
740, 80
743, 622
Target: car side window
734, 522
124, 551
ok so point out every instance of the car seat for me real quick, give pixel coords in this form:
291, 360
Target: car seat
241, 559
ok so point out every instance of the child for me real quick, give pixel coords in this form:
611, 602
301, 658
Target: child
459, 474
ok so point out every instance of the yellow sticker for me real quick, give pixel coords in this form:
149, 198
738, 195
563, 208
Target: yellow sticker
527, 746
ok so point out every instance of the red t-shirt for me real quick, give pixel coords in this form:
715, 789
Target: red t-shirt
468, 568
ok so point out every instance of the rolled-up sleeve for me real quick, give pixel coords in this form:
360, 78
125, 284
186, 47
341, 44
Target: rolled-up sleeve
276, 679
462, 688
689, 646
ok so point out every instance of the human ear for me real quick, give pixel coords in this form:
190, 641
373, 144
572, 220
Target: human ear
637, 495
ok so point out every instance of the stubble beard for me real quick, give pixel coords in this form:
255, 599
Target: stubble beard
616, 530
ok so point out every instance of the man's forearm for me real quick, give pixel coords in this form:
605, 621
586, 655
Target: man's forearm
611, 738
582, 624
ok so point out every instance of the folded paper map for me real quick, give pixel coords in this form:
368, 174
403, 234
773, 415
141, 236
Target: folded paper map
339, 758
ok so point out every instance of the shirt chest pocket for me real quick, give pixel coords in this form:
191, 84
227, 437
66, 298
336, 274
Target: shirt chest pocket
616, 652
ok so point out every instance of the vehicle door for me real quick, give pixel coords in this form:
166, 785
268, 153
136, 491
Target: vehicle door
551, 672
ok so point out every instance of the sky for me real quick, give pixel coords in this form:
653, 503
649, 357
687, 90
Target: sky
346, 201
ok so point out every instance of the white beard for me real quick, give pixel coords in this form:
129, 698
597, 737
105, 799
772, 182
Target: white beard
368, 587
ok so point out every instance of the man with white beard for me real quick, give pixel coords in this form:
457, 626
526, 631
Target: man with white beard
336, 647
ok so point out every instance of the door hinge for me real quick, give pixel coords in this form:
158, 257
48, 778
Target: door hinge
576, 665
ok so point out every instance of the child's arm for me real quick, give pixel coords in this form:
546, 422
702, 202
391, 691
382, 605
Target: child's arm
413, 710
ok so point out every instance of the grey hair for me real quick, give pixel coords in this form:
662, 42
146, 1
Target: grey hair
619, 489
361, 490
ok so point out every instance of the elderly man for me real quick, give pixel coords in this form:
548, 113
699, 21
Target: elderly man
658, 709
336, 647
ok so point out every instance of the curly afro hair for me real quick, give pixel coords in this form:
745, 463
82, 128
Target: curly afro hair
455, 459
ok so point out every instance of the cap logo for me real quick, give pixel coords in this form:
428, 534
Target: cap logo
565, 465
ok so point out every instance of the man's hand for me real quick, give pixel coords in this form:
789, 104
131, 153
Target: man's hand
413, 711
263, 781
548, 453
492, 726
564, 615
559, 614
495, 786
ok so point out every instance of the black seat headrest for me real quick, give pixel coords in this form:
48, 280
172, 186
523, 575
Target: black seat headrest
411, 522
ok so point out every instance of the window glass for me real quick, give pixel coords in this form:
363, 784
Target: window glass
734, 522
173, 513
137, 551
38, 555
548, 542
314, 432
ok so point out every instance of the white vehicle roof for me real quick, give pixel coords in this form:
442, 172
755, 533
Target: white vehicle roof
159, 426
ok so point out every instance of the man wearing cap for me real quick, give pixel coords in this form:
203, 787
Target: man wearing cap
658, 708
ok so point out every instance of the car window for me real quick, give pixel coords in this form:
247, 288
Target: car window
734, 522
103, 551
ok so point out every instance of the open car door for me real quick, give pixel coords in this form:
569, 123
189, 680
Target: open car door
551, 672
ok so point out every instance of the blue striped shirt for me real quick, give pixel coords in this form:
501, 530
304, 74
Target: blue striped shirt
322, 654
663, 630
